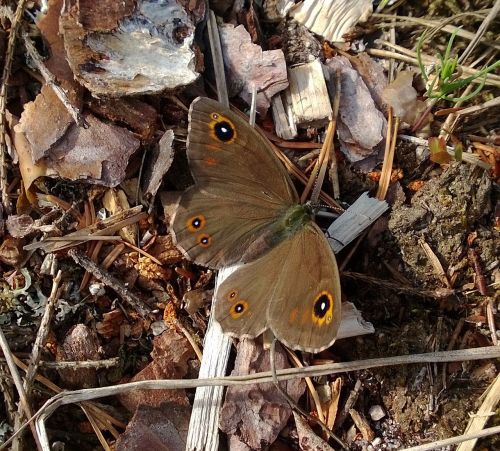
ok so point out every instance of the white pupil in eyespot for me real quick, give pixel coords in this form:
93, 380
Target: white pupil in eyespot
224, 130
323, 305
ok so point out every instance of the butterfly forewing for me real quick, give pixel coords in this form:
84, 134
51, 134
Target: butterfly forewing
241, 189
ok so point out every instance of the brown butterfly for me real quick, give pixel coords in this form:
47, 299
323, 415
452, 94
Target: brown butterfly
244, 209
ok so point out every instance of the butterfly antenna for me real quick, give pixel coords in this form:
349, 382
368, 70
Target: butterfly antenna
293, 404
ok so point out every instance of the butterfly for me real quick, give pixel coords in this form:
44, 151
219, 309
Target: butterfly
244, 209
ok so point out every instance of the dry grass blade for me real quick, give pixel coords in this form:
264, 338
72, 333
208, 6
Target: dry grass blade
443, 25
454, 440
492, 15
24, 402
487, 409
106, 227
390, 148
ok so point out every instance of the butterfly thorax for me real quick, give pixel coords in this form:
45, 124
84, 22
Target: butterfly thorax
293, 220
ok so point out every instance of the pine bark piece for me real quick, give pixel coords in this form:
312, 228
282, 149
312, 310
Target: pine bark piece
44, 122
139, 116
81, 343
332, 19
300, 46
171, 352
247, 66
308, 440
124, 48
361, 126
159, 429
256, 414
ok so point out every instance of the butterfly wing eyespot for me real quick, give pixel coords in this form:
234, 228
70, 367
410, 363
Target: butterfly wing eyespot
322, 310
196, 223
204, 240
232, 295
222, 129
239, 309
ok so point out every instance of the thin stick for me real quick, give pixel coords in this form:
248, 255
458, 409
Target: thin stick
454, 440
390, 147
218, 62
440, 293
36, 353
310, 386
4, 345
293, 405
111, 281
43, 331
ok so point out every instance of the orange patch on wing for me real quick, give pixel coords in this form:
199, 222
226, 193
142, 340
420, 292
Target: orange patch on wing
210, 161
292, 318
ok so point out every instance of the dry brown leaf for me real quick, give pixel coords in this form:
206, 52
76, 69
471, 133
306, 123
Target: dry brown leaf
158, 165
402, 97
115, 201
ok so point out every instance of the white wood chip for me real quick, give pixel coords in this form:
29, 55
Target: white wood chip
332, 19
361, 214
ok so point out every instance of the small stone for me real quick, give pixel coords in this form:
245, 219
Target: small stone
376, 442
376, 412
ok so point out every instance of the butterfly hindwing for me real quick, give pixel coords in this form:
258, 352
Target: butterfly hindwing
305, 310
293, 289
